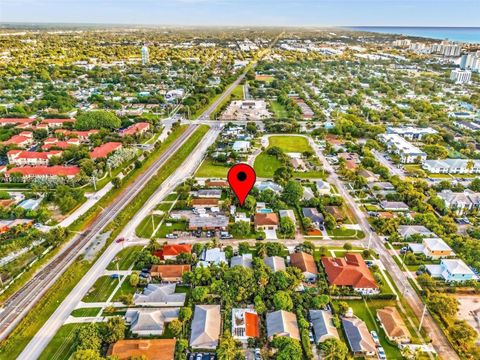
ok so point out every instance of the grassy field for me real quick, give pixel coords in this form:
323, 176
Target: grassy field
265, 165
209, 169
125, 258
145, 229
125, 289
366, 310
63, 344
164, 206
346, 234
289, 143
85, 312
279, 110
101, 290
42, 310
175, 226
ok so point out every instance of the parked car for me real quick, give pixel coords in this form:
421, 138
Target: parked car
225, 235
114, 276
381, 353
375, 337
171, 236
120, 240
257, 354
210, 234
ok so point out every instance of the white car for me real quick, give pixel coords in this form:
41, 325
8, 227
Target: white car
381, 353
375, 337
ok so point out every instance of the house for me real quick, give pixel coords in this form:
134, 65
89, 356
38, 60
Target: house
151, 349
275, 263
298, 164
83, 136
268, 185
171, 251
32, 158
410, 132
209, 194
407, 152
314, 215
15, 121
7, 225
323, 187
244, 260
150, 322
368, 175
394, 206
23, 140
460, 202
217, 184
56, 143
336, 212
245, 324
350, 271
436, 248
282, 323
204, 203
135, 129
323, 328
266, 221
452, 166
241, 146
381, 186
405, 231
207, 222
159, 295
57, 123
212, 256
359, 338
451, 270
306, 263
393, 325
206, 326
169, 273
104, 150
29, 172
288, 213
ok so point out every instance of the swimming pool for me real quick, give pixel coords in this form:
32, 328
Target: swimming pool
265, 211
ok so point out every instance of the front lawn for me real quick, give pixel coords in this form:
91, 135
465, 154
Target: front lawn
346, 234
209, 169
125, 258
101, 290
169, 226
289, 144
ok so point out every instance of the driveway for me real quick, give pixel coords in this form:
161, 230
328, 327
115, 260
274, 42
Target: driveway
271, 235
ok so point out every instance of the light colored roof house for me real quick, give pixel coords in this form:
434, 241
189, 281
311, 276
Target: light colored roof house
368, 175
359, 339
275, 263
209, 193
268, 185
350, 271
213, 256
452, 166
436, 248
323, 327
323, 187
244, 260
406, 231
460, 201
245, 324
314, 215
159, 295
288, 213
282, 323
306, 263
147, 322
393, 325
152, 349
241, 146
394, 206
451, 270
205, 327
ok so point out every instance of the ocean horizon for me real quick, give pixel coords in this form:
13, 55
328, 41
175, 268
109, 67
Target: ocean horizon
461, 34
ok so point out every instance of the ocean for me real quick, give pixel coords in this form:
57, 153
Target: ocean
461, 34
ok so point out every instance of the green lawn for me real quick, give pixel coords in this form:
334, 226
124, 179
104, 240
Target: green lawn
265, 165
279, 110
346, 234
85, 312
62, 346
125, 258
366, 310
101, 290
309, 175
290, 143
164, 206
146, 228
175, 225
209, 169
125, 289
171, 197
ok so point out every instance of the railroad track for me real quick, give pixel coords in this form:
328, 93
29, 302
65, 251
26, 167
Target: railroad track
15, 308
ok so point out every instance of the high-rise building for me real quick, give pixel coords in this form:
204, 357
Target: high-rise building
461, 76
470, 61
145, 56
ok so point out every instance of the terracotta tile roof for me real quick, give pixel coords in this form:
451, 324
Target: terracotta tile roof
174, 250
152, 349
16, 121
54, 142
58, 121
45, 155
135, 128
266, 219
350, 271
17, 139
105, 149
217, 183
212, 202
252, 324
304, 262
69, 171
169, 271
80, 134
392, 322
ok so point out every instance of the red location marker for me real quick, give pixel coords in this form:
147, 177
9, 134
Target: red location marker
241, 178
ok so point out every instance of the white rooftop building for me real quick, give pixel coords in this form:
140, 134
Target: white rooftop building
407, 152
410, 132
452, 166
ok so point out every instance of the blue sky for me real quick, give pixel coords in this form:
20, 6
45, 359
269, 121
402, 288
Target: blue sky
247, 12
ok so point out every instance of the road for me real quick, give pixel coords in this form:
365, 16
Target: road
439, 341
22, 301
391, 167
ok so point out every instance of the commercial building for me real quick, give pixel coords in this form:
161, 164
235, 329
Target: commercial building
410, 132
407, 152
452, 166
461, 76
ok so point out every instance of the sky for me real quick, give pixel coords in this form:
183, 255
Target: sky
246, 12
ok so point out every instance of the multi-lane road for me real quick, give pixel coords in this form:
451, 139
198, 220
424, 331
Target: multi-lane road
22, 301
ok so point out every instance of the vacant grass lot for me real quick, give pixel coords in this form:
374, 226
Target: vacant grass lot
85, 312
101, 290
209, 169
290, 143
63, 343
125, 258
146, 228
279, 110
174, 226
265, 165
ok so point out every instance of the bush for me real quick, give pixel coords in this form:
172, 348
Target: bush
99, 119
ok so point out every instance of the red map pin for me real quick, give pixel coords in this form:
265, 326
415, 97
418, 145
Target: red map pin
241, 178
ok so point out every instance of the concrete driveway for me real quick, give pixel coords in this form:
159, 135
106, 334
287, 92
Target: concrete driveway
271, 235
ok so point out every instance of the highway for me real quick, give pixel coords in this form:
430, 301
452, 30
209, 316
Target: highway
22, 301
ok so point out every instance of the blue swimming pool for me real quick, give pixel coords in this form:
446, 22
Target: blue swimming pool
265, 211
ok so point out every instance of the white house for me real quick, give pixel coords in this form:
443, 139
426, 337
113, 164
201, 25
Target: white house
452, 166
323, 187
460, 202
451, 270
410, 132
